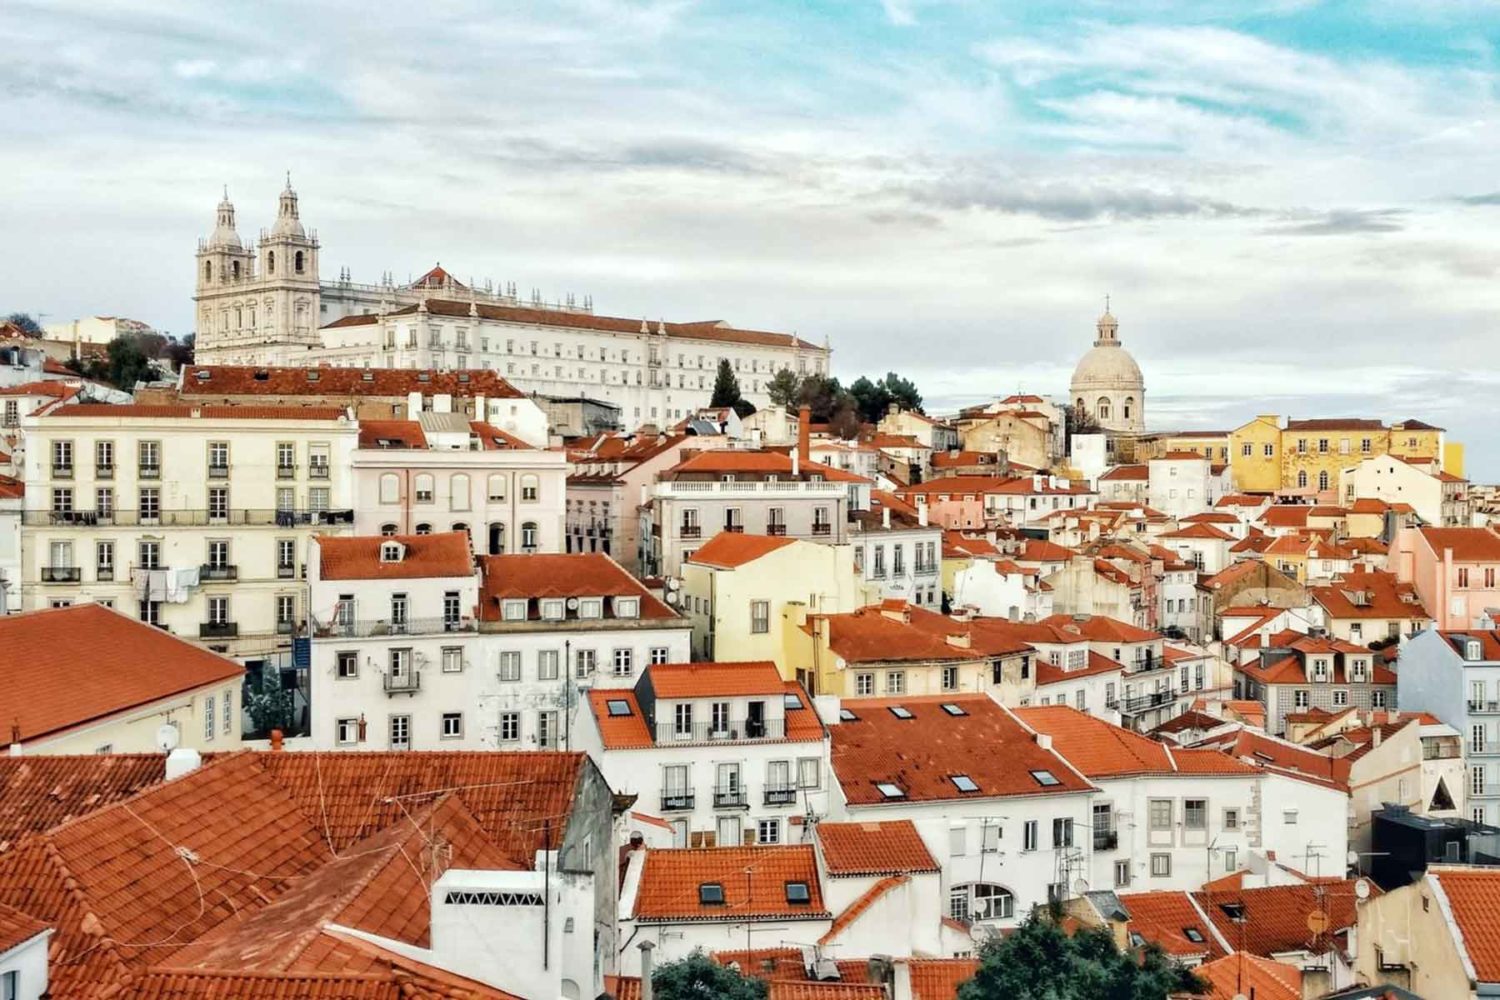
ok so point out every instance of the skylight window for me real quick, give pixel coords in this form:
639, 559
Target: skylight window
618, 707
1045, 778
901, 711
964, 783
889, 790
710, 894
1193, 934
1234, 911
797, 894
953, 709
791, 702
847, 716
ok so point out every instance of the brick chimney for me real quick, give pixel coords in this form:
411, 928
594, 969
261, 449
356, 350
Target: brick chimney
804, 433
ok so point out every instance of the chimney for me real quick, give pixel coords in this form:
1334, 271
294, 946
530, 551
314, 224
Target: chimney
1044, 741
804, 432
1375, 736
922, 514
183, 760
277, 740
1265, 639
464, 931
885, 517
646, 991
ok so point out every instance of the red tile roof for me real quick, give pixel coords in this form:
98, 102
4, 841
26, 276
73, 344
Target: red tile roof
1276, 916
245, 380
801, 990
1049, 673
1285, 516
12, 488
1242, 974
890, 848
423, 557
940, 978
391, 434
1165, 918
1014, 485
397, 978
1199, 530
1099, 628
1212, 517
1100, 750
494, 439
1127, 473
1036, 550
1369, 595
921, 755
620, 732
16, 928
143, 411
1471, 894
707, 680
789, 965
729, 550
1468, 544
718, 461
39, 792
880, 634
583, 574
53, 682
753, 880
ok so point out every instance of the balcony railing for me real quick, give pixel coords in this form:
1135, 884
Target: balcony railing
218, 630
1145, 702
317, 472
776, 529
286, 471
149, 472
221, 571
365, 628
104, 472
682, 487
408, 682
218, 472
731, 798
781, 795
286, 572
690, 531
62, 472
822, 529
735, 529
675, 801
1478, 748
708, 732
188, 518
1484, 707
1106, 840
61, 574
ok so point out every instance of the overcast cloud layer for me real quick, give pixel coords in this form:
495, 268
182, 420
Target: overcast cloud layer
1293, 205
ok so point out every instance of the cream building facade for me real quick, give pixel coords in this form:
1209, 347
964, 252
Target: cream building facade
267, 304
1108, 385
191, 518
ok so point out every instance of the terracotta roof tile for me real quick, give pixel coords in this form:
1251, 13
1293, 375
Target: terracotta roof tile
1101, 750
16, 928
391, 434
1250, 975
753, 881
39, 792
728, 549
940, 978
728, 460
1050, 673
1127, 473
801, 990
583, 574
1035, 550
1285, 516
706, 680
888, 635
623, 729
12, 488
495, 439
789, 965
423, 557
1369, 595
53, 683
1166, 918
1015, 485
142, 411
1468, 544
1099, 628
890, 848
1275, 917
1471, 894
920, 756
1199, 530
245, 380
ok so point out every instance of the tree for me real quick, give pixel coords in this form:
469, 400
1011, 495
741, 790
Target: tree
875, 398
726, 386
180, 352
128, 363
28, 325
743, 408
269, 705
698, 977
1040, 962
785, 389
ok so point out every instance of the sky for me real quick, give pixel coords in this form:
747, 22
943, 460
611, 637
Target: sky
1292, 204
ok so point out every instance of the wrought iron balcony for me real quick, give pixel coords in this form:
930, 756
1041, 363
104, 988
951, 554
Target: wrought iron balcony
61, 574
1106, 840
286, 471
690, 531
1145, 702
317, 472
409, 682
149, 472
365, 628
735, 529
822, 529
726, 732
775, 530
676, 801
221, 571
218, 630
780, 795
190, 518
731, 798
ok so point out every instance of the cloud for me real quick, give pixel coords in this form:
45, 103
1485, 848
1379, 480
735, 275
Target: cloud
1062, 201
1346, 222
1492, 198
899, 12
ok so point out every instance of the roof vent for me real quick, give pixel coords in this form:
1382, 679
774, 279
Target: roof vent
367, 376
203, 374
463, 376
424, 376
313, 375
261, 375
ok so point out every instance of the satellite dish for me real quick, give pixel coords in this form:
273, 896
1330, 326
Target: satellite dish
673, 583
167, 737
572, 604
1317, 921
1361, 888
1080, 886
1353, 858
671, 598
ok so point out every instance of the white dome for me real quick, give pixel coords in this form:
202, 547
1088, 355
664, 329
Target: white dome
1108, 366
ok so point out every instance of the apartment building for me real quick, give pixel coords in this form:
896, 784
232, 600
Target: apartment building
1456, 572
725, 753
1290, 672
610, 477
897, 551
193, 518
445, 472
988, 501
1454, 674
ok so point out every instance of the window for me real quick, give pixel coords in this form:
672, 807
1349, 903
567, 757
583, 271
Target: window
1062, 832
1476, 779
1301, 698
964, 783
547, 665
1045, 778
950, 678
1122, 873
1029, 835
1161, 814
400, 732
286, 459
453, 660
659, 654
513, 610
760, 617
495, 487
1340, 698
390, 488
218, 610
529, 540
1289, 817
510, 727
711, 894
1161, 865
208, 717
895, 682
530, 490
1231, 819
453, 725
346, 732
864, 684
346, 664
422, 487
585, 662
889, 790
768, 831
510, 665
624, 660
809, 773
958, 841
1195, 814
150, 503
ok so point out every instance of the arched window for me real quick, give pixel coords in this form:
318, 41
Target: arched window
980, 901
1129, 407
297, 262
1102, 408
270, 261
1302, 479
496, 486
530, 487
460, 526
528, 537
422, 486
424, 528
1323, 480
497, 539
390, 488
458, 492
234, 270
387, 530
208, 270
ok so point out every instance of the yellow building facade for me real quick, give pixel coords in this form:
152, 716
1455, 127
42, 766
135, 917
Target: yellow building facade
1255, 455
1308, 457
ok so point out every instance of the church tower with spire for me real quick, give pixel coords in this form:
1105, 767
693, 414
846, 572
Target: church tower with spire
248, 298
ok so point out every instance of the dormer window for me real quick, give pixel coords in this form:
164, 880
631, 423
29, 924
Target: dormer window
791, 702
391, 552
552, 609
590, 607
847, 716
627, 607
513, 610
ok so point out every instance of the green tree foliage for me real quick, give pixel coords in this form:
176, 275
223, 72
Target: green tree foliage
26, 322
127, 360
698, 977
1039, 962
785, 389
726, 386
874, 399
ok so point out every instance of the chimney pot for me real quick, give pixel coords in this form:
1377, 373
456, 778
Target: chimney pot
277, 740
804, 432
